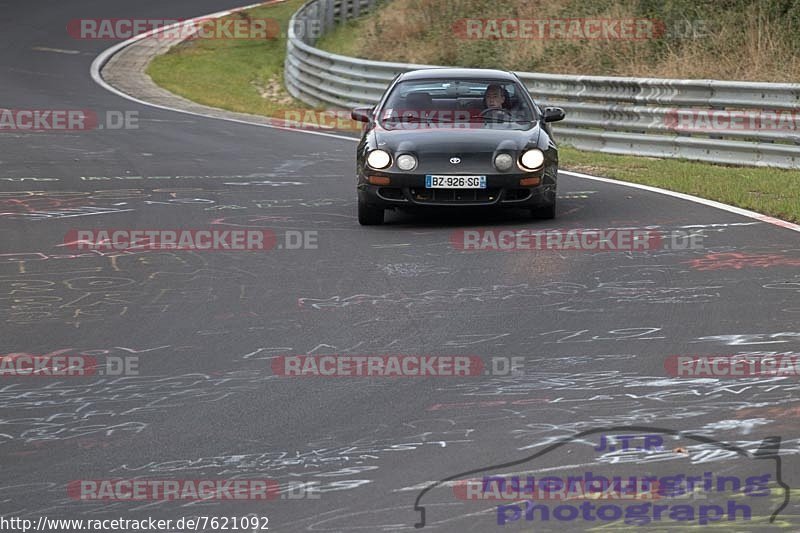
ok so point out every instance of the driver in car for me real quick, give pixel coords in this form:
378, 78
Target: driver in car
494, 97
497, 102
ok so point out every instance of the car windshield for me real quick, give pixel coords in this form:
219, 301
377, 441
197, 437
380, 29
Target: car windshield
471, 101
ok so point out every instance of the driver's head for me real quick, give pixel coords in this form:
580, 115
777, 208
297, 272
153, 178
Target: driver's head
494, 97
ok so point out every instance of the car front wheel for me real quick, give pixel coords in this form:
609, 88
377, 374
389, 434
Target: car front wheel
369, 215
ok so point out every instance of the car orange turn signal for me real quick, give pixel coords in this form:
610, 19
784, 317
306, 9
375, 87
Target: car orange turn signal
379, 180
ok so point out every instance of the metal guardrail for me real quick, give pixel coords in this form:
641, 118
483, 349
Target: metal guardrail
640, 116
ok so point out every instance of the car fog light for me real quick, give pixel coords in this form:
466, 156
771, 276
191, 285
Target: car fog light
406, 162
503, 161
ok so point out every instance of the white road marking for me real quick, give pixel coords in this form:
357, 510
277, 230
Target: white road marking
710, 203
56, 50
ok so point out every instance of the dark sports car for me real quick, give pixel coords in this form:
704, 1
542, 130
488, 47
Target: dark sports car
456, 137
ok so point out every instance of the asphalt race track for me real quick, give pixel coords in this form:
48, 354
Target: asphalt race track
203, 328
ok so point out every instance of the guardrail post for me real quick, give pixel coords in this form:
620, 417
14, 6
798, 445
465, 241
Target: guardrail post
317, 16
328, 15
716, 108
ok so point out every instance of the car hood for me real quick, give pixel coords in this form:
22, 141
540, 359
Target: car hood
455, 140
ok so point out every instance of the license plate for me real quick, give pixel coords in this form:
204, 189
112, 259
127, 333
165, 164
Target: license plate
455, 182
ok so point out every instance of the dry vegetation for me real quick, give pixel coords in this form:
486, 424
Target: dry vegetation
756, 40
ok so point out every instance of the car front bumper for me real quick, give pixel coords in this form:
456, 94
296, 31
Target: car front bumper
408, 190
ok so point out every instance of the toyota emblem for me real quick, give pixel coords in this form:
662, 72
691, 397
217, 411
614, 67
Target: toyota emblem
455, 160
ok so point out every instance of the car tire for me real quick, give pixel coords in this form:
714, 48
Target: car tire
547, 212
369, 215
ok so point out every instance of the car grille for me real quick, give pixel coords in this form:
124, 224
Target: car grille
516, 195
392, 193
454, 196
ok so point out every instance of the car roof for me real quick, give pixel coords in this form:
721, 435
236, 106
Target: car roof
458, 73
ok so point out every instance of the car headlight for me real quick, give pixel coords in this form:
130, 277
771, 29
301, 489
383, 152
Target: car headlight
379, 159
406, 162
532, 159
503, 161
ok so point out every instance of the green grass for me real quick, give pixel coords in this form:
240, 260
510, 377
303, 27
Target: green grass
771, 191
343, 39
232, 74
227, 74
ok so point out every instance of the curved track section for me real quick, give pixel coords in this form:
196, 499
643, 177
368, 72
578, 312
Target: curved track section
204, 329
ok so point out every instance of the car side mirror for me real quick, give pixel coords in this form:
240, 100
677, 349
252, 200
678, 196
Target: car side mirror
362, 114
553, 114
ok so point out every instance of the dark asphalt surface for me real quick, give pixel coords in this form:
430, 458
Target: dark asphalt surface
594, 328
